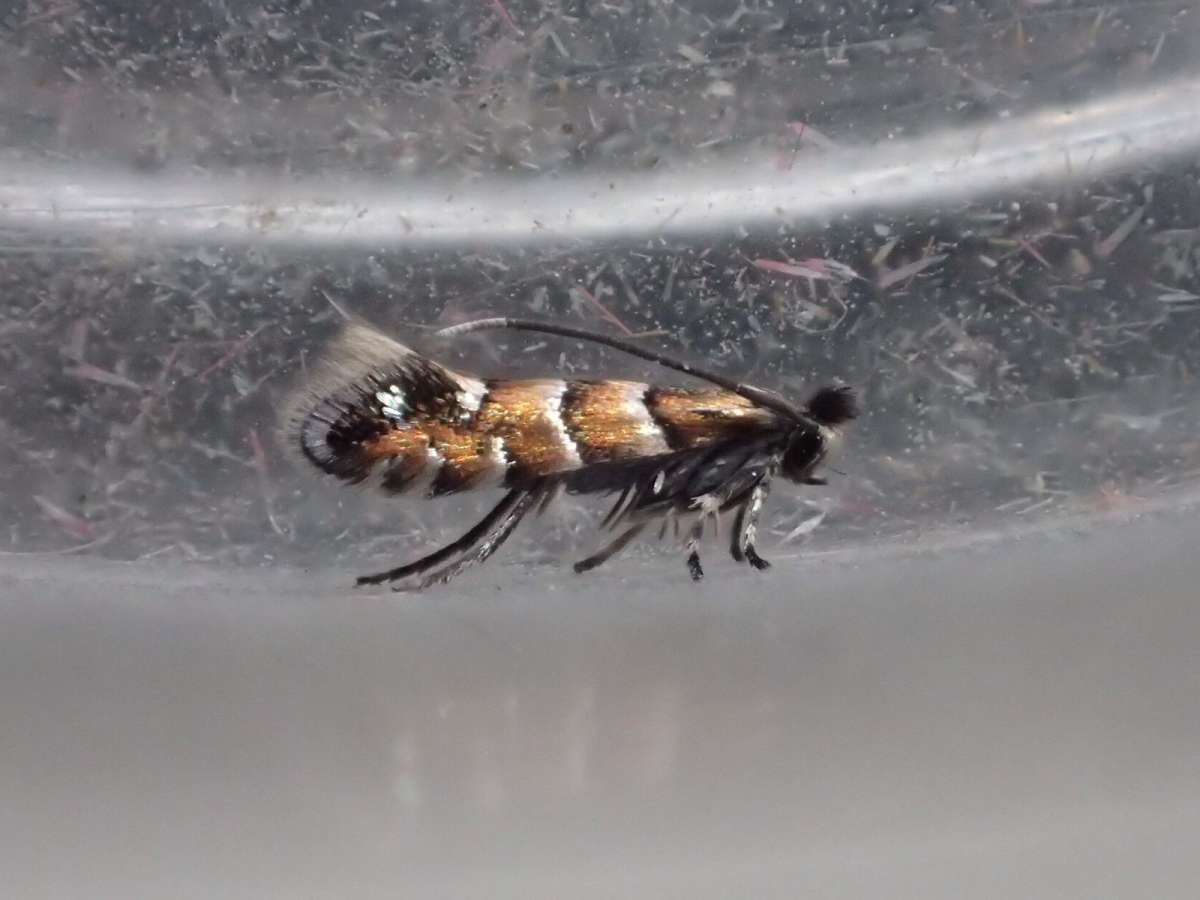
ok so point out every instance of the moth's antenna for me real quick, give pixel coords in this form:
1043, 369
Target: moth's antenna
749, 391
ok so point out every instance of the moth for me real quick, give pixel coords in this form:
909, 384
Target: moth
379, 413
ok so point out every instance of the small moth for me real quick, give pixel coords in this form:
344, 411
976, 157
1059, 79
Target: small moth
379, 413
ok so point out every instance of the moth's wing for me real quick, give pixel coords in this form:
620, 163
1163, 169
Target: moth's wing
704, 417
376, 408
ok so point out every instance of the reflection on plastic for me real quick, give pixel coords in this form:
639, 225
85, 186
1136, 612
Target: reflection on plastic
747, 191
1019, 720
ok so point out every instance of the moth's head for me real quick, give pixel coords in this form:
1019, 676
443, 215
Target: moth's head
812, 442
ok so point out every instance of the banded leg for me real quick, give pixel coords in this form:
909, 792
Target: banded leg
485, 547
739, 503
745, 527
462, 545
611, 550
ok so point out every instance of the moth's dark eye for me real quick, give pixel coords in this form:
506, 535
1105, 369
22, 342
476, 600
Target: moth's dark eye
804, 450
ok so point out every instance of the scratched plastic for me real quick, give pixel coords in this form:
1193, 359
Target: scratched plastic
966, 672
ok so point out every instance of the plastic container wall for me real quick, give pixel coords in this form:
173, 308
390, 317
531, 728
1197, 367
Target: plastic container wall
969, 670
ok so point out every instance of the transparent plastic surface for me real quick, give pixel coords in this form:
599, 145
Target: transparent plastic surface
968, 670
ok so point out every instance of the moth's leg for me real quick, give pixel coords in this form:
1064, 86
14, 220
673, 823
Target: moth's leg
549, 496
745, 528
463, 544
611, 550
739, 523
488, 545
693, 544
738, 503
668, 517
618, 508
755, 560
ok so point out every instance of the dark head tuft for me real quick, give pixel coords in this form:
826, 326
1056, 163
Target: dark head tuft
833, 406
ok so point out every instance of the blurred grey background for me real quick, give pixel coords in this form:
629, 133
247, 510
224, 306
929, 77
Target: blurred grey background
1016, 718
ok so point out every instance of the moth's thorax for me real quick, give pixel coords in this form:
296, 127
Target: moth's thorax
834, 438
808, 446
